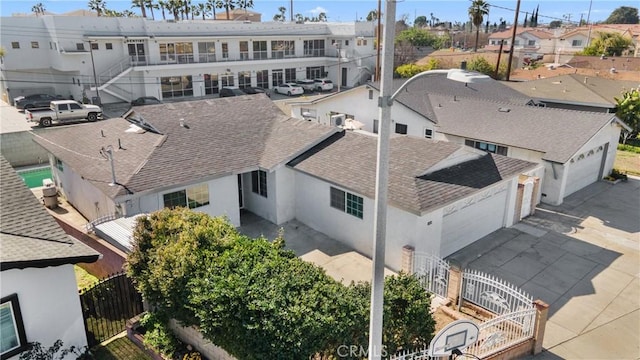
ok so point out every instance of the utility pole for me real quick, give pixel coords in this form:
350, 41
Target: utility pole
95, 77
513, 40
377, 71
338, 45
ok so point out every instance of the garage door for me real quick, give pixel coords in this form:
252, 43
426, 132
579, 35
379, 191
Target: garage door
467, 225
585, 171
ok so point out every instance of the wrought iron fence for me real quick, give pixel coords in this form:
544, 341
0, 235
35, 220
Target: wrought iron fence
107, 306
493, 294
433, 273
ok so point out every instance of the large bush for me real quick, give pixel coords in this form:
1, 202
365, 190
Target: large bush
256, 299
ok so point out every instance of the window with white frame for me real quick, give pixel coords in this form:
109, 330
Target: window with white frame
191, 197
108, 46
347, 202
35, 45
290, 75
206, 51
401, 129
244, 50
361, 42
244, 79
59, 164
376, 124
225, 50
15, 45
95, 46
428, 133
576, 43
259, 182
12, 335
283, 48
80, 46
262, 79
260, 50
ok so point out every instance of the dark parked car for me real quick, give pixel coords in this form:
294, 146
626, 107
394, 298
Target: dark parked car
145, 100
256, 90
231, 91
36, 101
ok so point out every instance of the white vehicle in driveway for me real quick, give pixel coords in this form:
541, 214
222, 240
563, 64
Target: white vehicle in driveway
289, 89
61, 111
323, 84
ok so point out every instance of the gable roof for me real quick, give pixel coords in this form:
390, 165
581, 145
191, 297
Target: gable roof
349, 161
29, 236
197, 140
557, 133
415, 95
506, 34
575, 88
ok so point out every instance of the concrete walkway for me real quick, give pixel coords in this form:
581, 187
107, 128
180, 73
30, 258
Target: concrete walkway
583, 259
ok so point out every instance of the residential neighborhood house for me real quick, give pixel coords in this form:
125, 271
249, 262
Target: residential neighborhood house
40, 301
230, 155
134, 57
575, 148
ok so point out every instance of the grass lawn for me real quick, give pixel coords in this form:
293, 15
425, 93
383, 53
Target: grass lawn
120, 349
628, 162
83, 278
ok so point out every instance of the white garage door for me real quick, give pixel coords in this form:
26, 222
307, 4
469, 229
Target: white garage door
583, 172
467, 225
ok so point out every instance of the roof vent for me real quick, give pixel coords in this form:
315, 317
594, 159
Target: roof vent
502, 109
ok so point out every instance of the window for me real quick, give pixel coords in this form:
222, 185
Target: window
361, 42
210, 84
259, 182
290, 75
206, 51
262, 79
176, 86
193, 197
244, 50
531, 43
315, 72
370, 94
401, 128
347, 202
244, 79
59, 164
283, 48
346, 43
108, 46
35, 45
80, 46
12, 335
516, 43
376, 123
428, 133
15, 45
260, 50
94, 46
488, 147
314, 48
225, 50
277, 77
179, 52
576, 43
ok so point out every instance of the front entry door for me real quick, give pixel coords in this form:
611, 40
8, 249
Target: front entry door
137, 54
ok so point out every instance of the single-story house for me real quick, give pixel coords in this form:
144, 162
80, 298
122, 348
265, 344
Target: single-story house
493, 117
575, 92
40, 301
223, 155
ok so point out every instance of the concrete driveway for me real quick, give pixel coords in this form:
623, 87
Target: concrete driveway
583, 259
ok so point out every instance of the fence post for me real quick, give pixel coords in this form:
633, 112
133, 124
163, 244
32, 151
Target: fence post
455, 283
408, 253
542, 311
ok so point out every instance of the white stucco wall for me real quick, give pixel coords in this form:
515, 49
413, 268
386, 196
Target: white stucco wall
357, 102
285, 194
49, 304
264, 207
223, 200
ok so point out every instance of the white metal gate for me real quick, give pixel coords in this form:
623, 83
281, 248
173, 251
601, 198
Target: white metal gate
493, 294
433, 273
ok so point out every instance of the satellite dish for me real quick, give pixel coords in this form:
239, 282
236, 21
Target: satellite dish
458, 335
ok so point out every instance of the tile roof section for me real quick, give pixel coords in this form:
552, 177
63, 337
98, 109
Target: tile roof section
415, 95
575, 88
29, 236
349, 160
219, 137
557, 133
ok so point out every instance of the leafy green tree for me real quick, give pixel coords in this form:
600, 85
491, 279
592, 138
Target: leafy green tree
481, 65
415, 37
477, 11
420, 21
628, 110
38, 9
99, 6
610, 44
555, 24
281, 15
241, 294
624, 15
409, 70
372, 15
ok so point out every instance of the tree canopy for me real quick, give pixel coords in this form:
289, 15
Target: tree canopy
242, 296
609, 44
628, 110
624, 15
477, 11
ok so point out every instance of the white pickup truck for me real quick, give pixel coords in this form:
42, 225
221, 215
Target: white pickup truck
63, 111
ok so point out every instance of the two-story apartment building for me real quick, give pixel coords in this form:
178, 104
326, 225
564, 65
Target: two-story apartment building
133, 57
528, 41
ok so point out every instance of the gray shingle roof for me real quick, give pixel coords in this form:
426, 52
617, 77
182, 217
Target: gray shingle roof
575, 88
219, 137
29, 236
557, 133
349, 160
415, 96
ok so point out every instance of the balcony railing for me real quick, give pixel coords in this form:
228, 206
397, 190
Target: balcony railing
145, 60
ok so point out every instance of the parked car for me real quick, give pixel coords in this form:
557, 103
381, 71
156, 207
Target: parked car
289, 89
323, 84
255, 90
63, 111
307, 85
231, 91
145, 100
36, 101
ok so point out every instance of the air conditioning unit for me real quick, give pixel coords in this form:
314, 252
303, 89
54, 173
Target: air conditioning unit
338, 120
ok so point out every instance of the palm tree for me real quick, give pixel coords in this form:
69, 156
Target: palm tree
281, 15
175, 6
140, 4
187, 8
477, 11
38, 9
163, 5
151, 6
226, 5
212, 6
372, 15
203, 9
98, 6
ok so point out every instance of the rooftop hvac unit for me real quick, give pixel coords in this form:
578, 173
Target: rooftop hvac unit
338, 120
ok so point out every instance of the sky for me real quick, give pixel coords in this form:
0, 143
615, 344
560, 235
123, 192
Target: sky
349, 10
